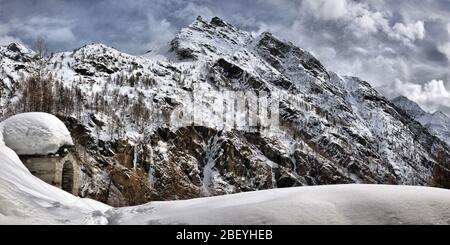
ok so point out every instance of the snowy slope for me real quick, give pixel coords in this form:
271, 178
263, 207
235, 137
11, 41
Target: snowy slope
339, 205
24, 199
15, 60
410, 107
437, 123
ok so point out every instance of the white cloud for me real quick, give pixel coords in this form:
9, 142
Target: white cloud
362, 19
445, 47
5, 40
367, 23
408, 33
430, 96
326, 9
193, 10
326, 53
53, 30
160, 30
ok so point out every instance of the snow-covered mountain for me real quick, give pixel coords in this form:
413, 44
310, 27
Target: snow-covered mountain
120, 110
437, 123
13, 58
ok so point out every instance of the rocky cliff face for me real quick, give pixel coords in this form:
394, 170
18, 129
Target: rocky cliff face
437, 123
331, 129
15, 60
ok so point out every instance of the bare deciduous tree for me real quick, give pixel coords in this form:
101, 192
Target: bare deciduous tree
40, 47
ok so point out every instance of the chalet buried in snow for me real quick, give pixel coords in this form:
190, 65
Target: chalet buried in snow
45, 147
60, 169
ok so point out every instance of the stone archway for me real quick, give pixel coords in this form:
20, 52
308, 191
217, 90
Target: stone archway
67, 182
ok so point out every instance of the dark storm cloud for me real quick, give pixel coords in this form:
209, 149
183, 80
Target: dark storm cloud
400, 47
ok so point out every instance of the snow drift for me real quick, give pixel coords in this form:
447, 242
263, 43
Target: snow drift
339, 205
25, 199
35, 133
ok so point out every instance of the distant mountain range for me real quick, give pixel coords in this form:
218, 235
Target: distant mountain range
437, 123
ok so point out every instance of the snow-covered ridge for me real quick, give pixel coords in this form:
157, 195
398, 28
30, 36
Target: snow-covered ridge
15, 60
410, 107
17, 51
214, 39
320, 205
437, 123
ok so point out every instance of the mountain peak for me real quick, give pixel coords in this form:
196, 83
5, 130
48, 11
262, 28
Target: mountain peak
266, 34
199, 18
279, 53
16, 47
437, 123
17, 52
208, 39
409, 106
199, 22
97, 48
439, 115
216, 21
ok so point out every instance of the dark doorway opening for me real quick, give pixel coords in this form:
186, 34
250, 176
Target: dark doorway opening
67, 176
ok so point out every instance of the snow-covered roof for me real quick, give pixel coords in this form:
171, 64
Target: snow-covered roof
35, 133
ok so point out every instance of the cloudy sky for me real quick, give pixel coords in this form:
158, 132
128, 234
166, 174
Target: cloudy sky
401, 47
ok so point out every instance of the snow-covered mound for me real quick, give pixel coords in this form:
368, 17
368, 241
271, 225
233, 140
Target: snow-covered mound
35, 133
338, 204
